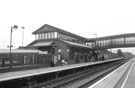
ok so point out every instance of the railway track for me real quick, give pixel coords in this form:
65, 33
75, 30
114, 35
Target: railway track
80, 79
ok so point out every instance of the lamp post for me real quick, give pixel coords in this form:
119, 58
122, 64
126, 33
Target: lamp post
95, 41
68, 50
10, 46
22, 35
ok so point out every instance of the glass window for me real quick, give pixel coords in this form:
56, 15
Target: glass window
127, 40
133, 40
102, 43
52, 34
36, 36
45, 36
89, 44
55, 34
118, 41
39, 36
58, 35
42, 36
49, 35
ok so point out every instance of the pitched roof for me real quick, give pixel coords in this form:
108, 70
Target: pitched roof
42, 44
19, 51
49, 28
76, 44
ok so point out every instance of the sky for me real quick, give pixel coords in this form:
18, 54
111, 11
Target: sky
82, 17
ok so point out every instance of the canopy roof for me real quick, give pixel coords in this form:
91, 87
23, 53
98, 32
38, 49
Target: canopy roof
18, 51
76, 44
42, 44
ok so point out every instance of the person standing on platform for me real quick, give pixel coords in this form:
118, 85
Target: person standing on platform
103, 58
3, 63
52, 62
55, 60
59, 58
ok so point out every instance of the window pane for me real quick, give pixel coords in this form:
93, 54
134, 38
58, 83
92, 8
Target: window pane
43, 36
36, 36
55, 35
48, 35
39, 36
52, 34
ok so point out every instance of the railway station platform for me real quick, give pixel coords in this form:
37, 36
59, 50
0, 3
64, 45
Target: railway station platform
123, 77
33, 72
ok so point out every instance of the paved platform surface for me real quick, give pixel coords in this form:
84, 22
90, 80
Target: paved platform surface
129, 81
26, 73
114, 78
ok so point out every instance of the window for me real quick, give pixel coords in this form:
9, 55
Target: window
45, 36
55, 34
58, 35
36, 36
42, 36
39, 36
89, 44
52, 34
49, 35
102, 42
130, 40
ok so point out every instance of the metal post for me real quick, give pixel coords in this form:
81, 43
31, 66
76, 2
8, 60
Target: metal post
22, 35
10, 47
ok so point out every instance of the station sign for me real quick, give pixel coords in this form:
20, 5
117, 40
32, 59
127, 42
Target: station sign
43, 52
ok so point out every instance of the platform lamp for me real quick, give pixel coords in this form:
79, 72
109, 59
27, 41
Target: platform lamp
22, 35
68, 50
95, 37
15, 27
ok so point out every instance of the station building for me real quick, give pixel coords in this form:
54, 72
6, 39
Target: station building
55, 41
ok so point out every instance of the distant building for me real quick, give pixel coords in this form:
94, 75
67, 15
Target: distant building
55, 41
